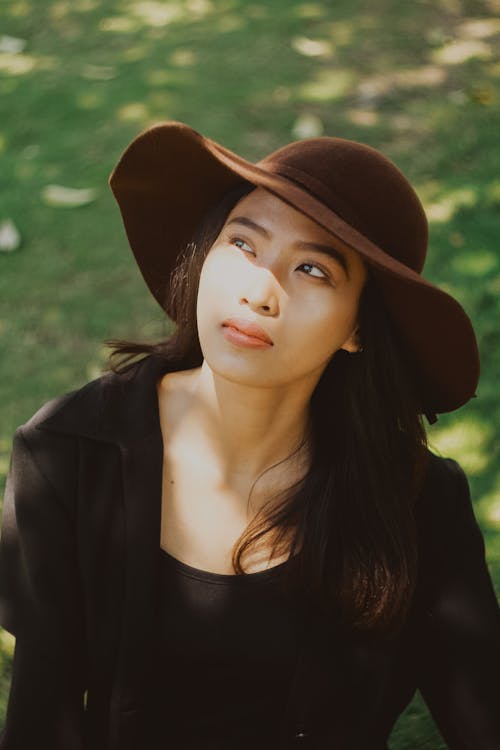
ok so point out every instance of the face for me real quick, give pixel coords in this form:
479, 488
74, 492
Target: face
274, 267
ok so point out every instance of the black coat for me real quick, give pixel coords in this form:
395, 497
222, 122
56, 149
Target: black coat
78, 576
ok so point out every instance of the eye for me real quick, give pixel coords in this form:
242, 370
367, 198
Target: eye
322, 274
236, 240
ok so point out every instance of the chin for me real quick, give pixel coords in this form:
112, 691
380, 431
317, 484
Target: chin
239, 367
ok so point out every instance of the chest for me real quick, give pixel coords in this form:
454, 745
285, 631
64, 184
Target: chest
201, 521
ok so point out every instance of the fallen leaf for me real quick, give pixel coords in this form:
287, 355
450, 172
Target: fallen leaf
307, 126
12, 44
312, 47
66, 197
10, 238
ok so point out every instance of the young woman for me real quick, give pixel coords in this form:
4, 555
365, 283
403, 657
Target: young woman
238, 537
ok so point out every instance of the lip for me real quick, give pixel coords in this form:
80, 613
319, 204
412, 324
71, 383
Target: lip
250, 330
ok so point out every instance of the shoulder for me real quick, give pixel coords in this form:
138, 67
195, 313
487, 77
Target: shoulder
443, 475
77, 423
61, 418
83, 398
41, 444
113, 408
444, 509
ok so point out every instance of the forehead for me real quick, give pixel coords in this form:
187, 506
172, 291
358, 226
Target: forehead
264, 204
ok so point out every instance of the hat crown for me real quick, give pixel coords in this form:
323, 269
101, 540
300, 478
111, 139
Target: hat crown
363, 187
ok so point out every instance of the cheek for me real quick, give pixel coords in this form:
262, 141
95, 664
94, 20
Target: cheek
219, 272
324, 322
216, 278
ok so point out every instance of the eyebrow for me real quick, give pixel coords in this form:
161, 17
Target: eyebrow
328, 250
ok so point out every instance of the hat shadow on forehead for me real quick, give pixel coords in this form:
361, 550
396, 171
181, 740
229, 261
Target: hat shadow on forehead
170, 176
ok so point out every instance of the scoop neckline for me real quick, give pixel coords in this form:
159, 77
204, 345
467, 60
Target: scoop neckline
208, 575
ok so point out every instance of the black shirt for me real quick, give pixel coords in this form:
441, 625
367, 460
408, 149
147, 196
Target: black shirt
226, 655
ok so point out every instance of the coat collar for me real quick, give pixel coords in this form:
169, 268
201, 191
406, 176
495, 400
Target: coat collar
115, 408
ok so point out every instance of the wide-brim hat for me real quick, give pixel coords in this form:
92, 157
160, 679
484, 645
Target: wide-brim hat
170, 175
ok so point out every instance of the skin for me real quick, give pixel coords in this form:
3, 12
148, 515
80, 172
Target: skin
246, 409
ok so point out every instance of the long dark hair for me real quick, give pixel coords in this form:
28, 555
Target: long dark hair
351, 517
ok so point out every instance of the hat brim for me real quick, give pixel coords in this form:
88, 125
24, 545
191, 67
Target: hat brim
170, 175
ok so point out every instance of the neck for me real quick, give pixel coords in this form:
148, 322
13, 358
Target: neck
247, 429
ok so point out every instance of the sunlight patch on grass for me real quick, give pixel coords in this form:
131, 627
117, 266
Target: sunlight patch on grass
183, 58
444, 209
156, 13
201, 8
489, 507
492, 192
60, 10
133, 112
160, 14
20, 9
426, 76
89, 100
326, 86
3, 142
341, 32
364, 117
95, 367
136, 53
20, 64
479, 263
119, 24
467, 441
478, 28
310, 10
7, 642
460, 50
155, 78
494, 69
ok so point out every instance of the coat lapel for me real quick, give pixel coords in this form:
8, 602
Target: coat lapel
124, 411
142, 481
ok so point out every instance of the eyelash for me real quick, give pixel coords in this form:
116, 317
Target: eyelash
233, 240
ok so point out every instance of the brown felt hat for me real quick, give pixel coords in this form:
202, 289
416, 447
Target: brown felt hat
170, 175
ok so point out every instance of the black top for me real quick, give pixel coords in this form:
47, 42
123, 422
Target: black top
226, 655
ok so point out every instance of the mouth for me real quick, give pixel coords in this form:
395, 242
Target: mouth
250, 331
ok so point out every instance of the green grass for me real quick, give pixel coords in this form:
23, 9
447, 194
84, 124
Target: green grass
417, 80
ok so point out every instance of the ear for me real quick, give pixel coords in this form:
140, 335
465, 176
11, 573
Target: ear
352, 343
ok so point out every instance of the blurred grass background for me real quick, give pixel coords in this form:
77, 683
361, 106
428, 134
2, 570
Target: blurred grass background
419, 80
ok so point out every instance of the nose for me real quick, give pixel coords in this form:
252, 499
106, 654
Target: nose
262, 295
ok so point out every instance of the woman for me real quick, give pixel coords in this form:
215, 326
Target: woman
241, 539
